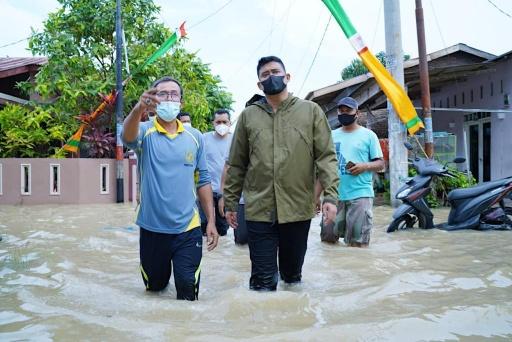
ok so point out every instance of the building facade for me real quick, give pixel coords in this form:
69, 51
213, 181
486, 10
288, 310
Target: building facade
470, 98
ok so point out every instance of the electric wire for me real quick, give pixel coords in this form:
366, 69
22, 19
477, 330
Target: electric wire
272, 25
499, 9
437, 24
285, 27
377, 25
310, 40
244, 64
316, 54
14, 43
210, 15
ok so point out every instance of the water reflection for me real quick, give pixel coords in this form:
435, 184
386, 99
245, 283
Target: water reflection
71, 272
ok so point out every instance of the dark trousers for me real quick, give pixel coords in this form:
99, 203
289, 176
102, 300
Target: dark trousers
220, 222
266, 241
160, 252
241, 235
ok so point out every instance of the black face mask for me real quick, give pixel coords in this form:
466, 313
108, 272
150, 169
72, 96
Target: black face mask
273, 85
346, 119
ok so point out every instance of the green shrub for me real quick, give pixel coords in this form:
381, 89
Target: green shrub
441, 187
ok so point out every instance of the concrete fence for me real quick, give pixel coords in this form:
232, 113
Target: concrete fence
63, 181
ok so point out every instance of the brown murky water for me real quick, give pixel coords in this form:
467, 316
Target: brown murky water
71, 273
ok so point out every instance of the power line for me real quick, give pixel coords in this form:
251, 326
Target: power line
242, 65
285, 27
437, 24
377, 25
316, 54
310, 40
272, 26
14, 43
210, 15
499, 9
191, 27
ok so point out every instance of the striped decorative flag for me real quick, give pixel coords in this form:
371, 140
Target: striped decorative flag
74, 142
394, 92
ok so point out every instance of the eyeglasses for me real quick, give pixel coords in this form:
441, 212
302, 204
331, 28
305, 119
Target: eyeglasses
168, 96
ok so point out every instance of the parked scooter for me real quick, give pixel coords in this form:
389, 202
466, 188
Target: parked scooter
479, 207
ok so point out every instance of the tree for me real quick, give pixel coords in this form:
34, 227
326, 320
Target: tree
79, 43
356, 67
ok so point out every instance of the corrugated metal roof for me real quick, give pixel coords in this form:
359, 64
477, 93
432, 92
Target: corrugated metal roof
410, 66
7, 63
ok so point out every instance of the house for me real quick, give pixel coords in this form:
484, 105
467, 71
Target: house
14, 70
470, 98
54, 181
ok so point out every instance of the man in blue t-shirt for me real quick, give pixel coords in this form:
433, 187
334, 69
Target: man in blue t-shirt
217, 144
359, 155
172, 172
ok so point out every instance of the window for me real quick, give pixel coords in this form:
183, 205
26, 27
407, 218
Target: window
1, 190
440, 103
455, 100
447, 102
471, 95
481, 92
54, 179
463, 98
26, 179
104, 186
492, 89
501, 86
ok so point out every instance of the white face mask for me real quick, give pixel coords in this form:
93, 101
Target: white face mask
187, 124
168, 110
222, 129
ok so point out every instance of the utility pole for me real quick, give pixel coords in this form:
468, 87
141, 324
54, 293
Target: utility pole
396, 130
119, 105
424, 81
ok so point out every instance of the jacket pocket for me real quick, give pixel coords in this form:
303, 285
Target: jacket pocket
306, 140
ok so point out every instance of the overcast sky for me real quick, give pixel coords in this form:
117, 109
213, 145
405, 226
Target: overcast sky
232, 40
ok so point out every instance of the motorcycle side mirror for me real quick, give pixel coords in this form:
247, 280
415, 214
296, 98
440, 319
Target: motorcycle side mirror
408, 146
459, 160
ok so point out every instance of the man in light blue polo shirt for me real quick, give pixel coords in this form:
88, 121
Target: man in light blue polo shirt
172, 170
359, 155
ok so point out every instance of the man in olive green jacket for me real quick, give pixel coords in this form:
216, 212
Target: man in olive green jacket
281, 145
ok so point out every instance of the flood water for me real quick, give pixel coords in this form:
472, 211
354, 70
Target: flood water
72, 273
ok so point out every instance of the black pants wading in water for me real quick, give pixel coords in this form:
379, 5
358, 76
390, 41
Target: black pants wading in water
159, 253
269, 240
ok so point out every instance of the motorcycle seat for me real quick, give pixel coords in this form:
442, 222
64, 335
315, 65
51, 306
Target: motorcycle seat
478, 189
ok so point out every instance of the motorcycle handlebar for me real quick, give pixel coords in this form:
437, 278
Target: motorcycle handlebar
448, 173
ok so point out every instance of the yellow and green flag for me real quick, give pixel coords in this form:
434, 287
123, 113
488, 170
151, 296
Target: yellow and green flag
394, 92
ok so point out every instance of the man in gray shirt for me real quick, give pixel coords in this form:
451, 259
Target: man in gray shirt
217, 144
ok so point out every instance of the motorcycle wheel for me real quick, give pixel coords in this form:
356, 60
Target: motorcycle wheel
508, 212
408, 221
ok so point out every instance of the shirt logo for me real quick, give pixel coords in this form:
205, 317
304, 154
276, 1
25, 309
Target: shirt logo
189, 158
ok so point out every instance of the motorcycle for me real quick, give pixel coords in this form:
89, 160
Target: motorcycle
479, 207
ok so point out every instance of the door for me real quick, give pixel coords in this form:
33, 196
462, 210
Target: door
479, 148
